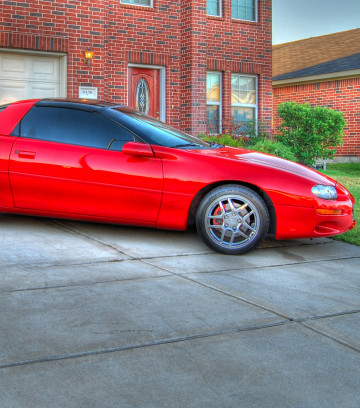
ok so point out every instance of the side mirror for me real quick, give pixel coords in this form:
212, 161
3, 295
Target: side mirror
137, 149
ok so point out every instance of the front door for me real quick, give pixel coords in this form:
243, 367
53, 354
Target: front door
144, 90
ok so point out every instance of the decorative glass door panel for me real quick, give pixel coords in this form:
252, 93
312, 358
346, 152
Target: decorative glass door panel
144, 90
142, 97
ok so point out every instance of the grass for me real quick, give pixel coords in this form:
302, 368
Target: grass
348, 174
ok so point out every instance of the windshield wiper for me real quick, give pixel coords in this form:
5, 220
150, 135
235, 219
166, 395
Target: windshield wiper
187, 145
214, 145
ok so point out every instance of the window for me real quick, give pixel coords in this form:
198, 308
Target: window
243, 100
146, 3
213, 102
213, 7
75, 127
244, 10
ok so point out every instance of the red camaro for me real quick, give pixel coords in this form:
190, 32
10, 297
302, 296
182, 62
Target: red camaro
97, 161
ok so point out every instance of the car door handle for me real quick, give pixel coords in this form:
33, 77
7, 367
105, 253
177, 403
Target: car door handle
26, 155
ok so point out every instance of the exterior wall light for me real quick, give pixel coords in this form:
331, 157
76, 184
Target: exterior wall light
88, 57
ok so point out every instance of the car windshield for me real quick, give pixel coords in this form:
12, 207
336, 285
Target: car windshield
154, 131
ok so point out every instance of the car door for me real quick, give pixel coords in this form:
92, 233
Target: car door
65, 162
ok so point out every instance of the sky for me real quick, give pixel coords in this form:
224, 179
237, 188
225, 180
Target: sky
297, 19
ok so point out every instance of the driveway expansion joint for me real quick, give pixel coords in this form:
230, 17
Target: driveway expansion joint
326, 316
188, 278
82, 284
143, 345
62, 264
328, 336
275, 265
174, 340
255, 304
89, 237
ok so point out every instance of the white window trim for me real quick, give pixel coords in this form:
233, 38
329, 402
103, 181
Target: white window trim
256, 14
221, 97
220, 9
249, 105
139, 5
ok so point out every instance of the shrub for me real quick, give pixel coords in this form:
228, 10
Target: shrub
257, 131
311, 133
256, 138
226, 139
273, 147
240, 134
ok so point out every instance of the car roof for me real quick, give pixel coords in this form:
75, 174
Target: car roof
91, 105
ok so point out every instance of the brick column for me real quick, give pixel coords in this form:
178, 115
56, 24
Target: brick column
193, 63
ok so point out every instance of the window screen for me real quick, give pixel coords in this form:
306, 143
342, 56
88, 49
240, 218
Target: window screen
243, 100
213, 7
213, 102
244, 9
147, 3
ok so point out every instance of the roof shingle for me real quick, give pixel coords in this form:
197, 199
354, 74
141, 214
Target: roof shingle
315, 51
349, 63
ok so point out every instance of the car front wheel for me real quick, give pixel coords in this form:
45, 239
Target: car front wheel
232, 219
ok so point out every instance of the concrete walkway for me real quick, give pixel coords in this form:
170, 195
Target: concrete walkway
103, 316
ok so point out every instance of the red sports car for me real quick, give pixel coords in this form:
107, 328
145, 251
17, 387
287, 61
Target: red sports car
98, 161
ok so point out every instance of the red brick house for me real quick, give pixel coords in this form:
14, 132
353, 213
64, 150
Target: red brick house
186, 62
323, 71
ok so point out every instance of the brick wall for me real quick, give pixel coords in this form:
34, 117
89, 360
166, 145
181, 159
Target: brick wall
177, 35
342, 95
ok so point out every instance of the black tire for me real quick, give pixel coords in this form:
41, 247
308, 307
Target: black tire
232, 219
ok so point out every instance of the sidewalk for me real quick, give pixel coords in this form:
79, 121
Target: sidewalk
103, 316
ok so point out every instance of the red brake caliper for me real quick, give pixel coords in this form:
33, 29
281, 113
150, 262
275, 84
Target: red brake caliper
215, 221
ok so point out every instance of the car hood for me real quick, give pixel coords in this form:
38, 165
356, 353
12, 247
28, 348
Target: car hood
269, 161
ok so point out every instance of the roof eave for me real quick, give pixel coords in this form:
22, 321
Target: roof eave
318, 78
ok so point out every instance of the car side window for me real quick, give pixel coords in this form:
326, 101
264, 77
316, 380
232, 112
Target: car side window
74, 126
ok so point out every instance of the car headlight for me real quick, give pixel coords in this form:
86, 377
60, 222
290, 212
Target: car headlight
325, 192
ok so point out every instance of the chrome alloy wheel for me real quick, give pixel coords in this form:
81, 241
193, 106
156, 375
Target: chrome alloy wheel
232, 221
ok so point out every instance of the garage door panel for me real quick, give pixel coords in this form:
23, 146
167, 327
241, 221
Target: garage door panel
14, 92
12, 67
25, 76
45, 68
43, 91
29, 68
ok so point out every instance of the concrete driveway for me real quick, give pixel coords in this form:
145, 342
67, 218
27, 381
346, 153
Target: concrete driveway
108, 316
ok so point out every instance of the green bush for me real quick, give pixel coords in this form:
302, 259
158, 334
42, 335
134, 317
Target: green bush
273, 147
256, 138
225, 139
311, 133
240, 134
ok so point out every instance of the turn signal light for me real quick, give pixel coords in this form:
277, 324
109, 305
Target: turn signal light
328, 212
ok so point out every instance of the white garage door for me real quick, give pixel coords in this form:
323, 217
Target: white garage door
24, 76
